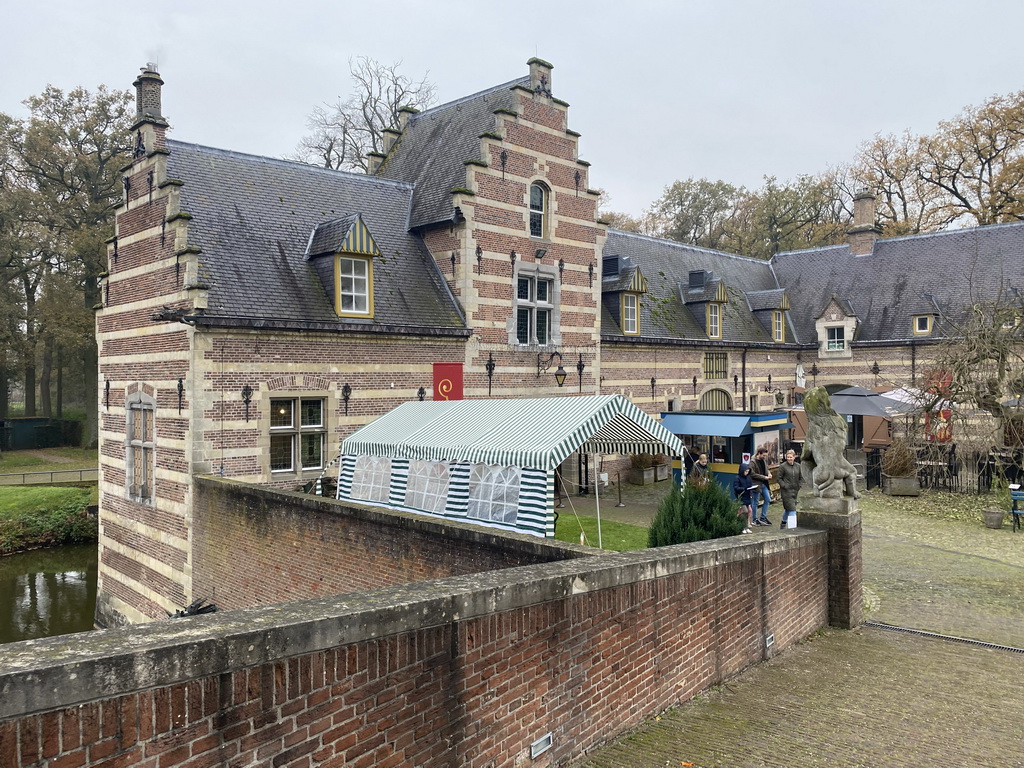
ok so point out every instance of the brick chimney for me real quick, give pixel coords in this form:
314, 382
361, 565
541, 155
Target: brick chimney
540, 76
150, 124
862, 235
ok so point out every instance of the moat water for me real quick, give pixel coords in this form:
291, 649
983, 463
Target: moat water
47, 592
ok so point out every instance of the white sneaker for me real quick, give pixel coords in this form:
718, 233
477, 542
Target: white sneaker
747, 530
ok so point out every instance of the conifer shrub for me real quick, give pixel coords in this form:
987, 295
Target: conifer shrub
697, 513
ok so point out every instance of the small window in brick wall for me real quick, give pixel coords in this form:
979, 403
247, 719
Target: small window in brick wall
140, 446
298, 432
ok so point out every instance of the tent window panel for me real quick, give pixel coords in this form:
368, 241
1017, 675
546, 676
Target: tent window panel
427, 486
494, 493
371, 479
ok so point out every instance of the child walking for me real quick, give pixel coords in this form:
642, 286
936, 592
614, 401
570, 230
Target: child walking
743, 487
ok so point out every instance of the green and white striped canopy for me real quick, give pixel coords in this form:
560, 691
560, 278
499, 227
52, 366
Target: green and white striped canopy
536, 432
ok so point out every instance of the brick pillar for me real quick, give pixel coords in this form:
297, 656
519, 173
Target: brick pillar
841, 520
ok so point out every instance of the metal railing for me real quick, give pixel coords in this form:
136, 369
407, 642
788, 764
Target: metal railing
51, 478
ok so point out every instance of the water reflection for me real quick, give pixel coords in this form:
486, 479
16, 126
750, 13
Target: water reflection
47, 592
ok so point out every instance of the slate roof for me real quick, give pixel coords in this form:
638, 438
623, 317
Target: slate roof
761, 300
903, 277
253, 219
667, 265
435, 145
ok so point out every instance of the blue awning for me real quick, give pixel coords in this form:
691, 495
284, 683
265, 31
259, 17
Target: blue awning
723, 424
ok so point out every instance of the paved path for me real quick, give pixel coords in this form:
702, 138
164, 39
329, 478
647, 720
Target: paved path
871, 697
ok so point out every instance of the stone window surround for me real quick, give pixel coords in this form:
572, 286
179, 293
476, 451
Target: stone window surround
136, 403
329, 428
849, 327
525, 268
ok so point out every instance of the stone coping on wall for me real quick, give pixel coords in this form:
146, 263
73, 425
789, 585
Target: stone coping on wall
58, 672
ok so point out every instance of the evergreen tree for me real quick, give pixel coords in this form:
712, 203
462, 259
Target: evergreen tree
698, 513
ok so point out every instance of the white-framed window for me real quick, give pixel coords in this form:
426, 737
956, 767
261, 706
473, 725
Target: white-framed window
714, 320
298, 434
354, 286
534, 309
371, 478
427, 486
836, 338
630, 314
494, 493
538, 210
140, 447
922, 325
778, 326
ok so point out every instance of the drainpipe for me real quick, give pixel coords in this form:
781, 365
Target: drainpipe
744, 370
913, 364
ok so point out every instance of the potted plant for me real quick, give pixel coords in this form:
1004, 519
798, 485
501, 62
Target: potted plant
642, 469
899, 470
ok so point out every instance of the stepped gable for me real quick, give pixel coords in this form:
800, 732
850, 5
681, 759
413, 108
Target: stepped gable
253, 219
666, 311
435, 145
904, 276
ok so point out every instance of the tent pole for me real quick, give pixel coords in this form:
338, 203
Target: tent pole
597, 498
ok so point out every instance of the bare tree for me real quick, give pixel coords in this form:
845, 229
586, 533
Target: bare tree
344, 133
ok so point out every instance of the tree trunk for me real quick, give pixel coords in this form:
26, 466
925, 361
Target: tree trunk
90, 372
46, 377
60, 383
30, 345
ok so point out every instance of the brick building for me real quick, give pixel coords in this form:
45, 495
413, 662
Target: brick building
256, 311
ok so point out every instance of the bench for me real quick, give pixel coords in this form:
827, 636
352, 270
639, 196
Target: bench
1017, 510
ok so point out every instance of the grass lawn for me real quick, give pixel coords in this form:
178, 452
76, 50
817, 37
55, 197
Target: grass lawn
616, 537
48, 459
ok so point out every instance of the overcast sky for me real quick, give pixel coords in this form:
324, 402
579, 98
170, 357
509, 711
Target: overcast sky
722, 89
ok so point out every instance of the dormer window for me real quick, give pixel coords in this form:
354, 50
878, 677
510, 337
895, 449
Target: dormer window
922, 325
778, 326
836, 339
714, 320
630, 314
354, 288
538, 210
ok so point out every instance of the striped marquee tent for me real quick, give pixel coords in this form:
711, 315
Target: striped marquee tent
489, 461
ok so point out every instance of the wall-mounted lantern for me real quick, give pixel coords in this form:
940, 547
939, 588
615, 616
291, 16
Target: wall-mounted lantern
346, 393
247, 398
543, 366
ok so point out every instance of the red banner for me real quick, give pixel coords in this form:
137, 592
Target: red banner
447, 381
938, 426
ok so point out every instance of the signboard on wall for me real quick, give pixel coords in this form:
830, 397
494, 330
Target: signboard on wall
770, 441
448, 381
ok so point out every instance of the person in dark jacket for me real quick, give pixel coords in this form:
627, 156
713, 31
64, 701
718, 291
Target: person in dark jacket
743, 487
790, 480
760, 474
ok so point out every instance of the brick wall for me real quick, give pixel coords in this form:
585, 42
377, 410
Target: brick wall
298, 546
462, 671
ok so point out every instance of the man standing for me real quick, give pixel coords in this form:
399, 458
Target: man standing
759, 472
790, 480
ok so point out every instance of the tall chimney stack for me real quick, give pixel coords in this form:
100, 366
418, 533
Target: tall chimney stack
149, 122
862, 235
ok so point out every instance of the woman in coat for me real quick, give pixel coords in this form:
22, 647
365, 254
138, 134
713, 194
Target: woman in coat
790, 480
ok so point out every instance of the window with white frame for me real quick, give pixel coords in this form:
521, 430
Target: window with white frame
427, 486
630, 314
922, 324
298, 433
778, 326
538, 211
371, 478
494, 493
355, 286
140, 446
534, 306
714, 320
836, 338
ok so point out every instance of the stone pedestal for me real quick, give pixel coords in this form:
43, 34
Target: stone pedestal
840, 518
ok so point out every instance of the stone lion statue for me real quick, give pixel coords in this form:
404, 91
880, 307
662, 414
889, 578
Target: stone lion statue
823, 463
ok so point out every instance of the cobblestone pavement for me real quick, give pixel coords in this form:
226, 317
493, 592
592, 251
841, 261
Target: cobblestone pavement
872, 697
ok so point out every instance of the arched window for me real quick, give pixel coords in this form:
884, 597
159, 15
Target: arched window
716, 400
538, 210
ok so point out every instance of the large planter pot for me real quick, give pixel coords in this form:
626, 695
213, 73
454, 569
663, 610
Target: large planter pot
993, 517
662, 472
901, 486
641, 476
